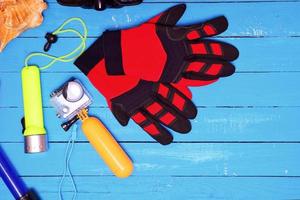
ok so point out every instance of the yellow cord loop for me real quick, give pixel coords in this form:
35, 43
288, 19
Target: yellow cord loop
67, 57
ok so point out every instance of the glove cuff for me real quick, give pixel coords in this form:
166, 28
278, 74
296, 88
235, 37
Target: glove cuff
107, 47
91, 57
113, 53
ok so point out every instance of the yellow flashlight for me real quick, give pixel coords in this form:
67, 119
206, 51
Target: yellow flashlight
34, 133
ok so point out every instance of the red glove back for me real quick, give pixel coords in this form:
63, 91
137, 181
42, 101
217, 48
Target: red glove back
158, 50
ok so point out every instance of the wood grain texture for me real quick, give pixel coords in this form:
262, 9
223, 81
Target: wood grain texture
245, 142
276, 19
170, 188
266, 49
211, 125
181, 159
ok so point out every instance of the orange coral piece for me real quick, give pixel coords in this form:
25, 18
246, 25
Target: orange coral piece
16, 16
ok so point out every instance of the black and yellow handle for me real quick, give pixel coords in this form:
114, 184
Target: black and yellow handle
107, 147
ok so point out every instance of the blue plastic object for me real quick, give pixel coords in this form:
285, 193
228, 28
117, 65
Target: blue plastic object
10, 177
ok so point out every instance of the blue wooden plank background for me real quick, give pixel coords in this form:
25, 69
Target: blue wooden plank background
245, 142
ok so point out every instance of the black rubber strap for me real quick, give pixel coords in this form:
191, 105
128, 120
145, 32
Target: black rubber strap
135, 98
113, 53
93, 55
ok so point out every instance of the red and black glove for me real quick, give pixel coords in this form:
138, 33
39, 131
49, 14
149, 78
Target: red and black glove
158, 50
152, 105
136, 69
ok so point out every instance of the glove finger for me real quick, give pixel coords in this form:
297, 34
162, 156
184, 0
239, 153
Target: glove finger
177, 100
206, 69
119, 114
167, 116
213, 50
152, 127
169, 17
209, 28
183, 88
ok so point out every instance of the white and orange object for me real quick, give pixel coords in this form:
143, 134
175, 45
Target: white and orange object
71, 102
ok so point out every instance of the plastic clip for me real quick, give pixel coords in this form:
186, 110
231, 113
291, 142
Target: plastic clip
51, 38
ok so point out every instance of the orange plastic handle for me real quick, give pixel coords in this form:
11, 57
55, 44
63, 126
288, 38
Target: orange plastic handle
107, 147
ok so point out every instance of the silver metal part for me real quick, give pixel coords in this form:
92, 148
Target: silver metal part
36, 143
70, 99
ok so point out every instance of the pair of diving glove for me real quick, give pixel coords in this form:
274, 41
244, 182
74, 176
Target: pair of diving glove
144, 72
99, 4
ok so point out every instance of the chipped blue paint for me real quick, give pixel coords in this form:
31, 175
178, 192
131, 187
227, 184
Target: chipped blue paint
245, 142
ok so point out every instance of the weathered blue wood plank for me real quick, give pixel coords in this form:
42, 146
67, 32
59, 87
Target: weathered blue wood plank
181, 159
258, 19
256, 54
168, 188
250, 89
211, 124
249, 106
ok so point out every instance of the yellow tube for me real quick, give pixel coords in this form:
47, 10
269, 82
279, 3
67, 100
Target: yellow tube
107, 147
35, 133
32, 97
